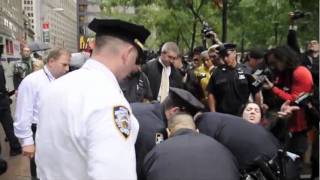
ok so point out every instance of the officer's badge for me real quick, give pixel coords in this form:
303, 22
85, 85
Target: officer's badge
122, 120
241, 76
159, 138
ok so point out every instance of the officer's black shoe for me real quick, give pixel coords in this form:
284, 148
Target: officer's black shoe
3, 166
15, 151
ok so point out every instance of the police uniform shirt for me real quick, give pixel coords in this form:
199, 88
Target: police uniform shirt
152, 129
27, 105
188, 155
230, 89
245, 140
86, 128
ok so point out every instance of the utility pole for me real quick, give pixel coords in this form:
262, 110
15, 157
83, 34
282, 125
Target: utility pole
224, 20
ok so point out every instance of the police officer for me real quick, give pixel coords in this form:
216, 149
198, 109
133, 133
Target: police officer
153, 120
228, 86
5, 113
136, 86
206, 158
248, 142
86, 127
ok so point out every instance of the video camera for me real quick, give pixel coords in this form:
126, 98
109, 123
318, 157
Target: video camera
303, 100
298, 14
207, 31
187, 65
259, 77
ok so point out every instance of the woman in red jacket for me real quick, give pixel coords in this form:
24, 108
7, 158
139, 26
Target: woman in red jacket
291, 81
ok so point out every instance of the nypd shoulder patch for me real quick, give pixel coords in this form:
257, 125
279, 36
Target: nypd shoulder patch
122, 120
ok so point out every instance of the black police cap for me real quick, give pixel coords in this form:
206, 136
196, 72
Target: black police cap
129, 32
223, 49
185, 100
256, 53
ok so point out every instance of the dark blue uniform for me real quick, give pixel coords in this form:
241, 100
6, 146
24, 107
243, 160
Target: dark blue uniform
152, 129
5, 115
231, 89
136, 87
245, 140
189, 156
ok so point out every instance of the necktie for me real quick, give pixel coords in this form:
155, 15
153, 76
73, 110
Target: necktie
164, 86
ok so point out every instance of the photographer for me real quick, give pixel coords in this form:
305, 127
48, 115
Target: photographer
291, 80
310, 58
189, 79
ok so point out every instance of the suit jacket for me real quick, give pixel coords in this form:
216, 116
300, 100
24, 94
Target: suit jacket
153, 70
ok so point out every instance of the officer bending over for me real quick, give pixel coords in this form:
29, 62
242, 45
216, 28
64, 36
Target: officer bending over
248, 142
189, 155
153, 118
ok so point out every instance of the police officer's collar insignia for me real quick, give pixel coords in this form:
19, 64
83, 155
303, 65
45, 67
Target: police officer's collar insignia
122, 120
159, 138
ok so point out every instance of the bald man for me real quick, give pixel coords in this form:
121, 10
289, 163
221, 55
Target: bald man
188, 155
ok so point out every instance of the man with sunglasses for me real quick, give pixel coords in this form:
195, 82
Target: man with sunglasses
228, 88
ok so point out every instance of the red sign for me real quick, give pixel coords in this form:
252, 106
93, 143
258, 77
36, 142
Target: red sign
45, 25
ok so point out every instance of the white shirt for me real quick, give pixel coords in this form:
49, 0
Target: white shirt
168, 68
27, 106
78, 137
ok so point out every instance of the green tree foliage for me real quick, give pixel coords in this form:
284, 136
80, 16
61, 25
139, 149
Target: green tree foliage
251, 23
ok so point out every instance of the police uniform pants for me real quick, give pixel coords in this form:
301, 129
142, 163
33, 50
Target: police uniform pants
7, 124
33, 167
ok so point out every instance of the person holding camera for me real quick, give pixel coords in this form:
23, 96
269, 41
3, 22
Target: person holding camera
310, 58
291, 81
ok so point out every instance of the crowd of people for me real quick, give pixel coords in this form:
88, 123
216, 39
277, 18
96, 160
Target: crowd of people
113, 114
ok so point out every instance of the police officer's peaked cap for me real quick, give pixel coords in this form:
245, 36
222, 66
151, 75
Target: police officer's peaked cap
129, 32
186, 100
223, 49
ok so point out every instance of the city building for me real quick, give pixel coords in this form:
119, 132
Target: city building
12, 35
87, 11
54, 22
11, 28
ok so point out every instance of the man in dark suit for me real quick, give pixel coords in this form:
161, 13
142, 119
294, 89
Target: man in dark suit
161, 73
188, 155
